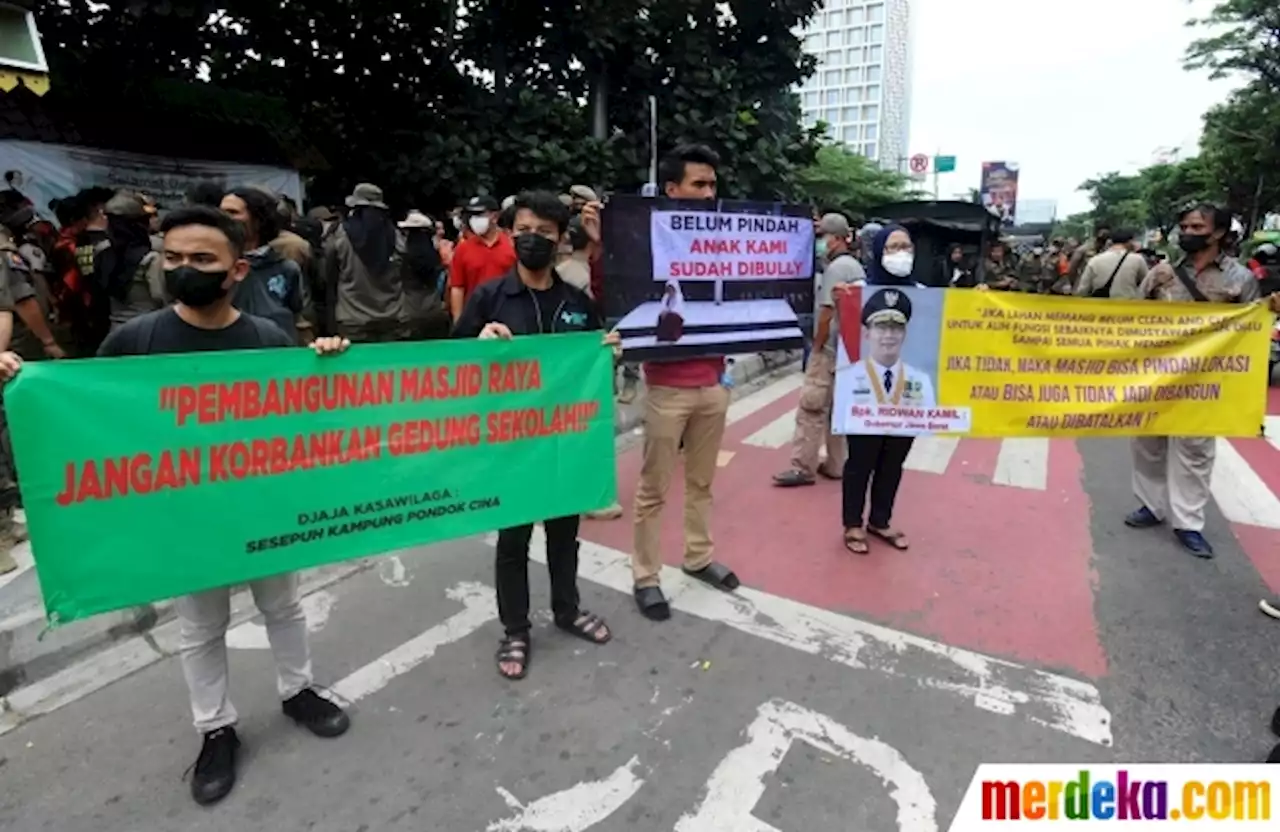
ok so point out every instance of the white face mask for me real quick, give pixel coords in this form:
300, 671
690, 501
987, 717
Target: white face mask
899, 263
479, 225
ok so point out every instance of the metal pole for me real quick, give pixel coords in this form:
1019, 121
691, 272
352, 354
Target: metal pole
651, 187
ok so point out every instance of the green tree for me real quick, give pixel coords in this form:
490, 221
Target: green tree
1246, 40
1241, 144
839, 178
1118, 200
1169, 188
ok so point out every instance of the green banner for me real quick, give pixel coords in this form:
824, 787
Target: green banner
149, 478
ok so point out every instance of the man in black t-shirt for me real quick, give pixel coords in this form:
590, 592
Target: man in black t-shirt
203, 260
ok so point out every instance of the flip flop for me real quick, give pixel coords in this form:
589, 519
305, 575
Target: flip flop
652, 603
893, 537
717, 575
855, 540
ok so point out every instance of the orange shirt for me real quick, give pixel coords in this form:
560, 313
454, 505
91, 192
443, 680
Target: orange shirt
477, 260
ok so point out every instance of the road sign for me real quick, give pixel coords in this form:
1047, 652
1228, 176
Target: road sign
944, 164
919, 163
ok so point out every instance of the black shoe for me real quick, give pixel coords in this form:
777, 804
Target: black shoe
1275, 723
215, 769
652, 603
317, 714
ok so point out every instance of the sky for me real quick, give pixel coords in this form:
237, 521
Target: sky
1067, 89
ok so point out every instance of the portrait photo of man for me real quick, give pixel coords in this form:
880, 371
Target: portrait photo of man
881, 377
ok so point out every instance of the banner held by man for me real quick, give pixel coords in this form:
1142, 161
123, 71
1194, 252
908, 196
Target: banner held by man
243, 465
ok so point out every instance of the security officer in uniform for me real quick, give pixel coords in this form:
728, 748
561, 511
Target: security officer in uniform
997, 273
1035, 272
26, 270
882, 377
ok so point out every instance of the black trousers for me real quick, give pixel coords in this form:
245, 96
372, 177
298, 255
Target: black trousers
512, 572
876, 461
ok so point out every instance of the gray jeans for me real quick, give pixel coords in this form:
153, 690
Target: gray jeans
204, 618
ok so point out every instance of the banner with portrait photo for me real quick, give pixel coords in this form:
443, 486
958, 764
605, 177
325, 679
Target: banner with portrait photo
741, 271
999, 190
915, 362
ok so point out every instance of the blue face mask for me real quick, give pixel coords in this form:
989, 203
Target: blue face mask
820, 248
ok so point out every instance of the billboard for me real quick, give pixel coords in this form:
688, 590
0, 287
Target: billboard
1000, 190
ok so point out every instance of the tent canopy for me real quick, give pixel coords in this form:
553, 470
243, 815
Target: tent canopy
935, 227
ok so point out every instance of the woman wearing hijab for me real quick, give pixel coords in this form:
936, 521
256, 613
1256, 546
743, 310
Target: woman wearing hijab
875, 462
423, 303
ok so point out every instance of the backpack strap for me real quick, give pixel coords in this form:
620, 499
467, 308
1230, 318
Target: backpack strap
1104, 291
1189, 283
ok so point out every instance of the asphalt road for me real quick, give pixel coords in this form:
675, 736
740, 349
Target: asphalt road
830, 693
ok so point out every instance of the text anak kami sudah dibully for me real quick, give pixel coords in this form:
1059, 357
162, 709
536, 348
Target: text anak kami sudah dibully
146, 472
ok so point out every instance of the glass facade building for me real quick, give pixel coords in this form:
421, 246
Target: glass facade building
862, 86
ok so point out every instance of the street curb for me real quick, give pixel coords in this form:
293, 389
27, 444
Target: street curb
31, 653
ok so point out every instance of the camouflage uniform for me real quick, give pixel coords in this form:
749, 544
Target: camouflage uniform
995, 272
9, 498
1036, 274
26, 278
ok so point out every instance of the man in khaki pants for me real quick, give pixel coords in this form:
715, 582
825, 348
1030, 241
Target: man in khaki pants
1172, 474
686, 404
813, 417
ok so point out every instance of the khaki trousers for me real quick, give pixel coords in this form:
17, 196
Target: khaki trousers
696, 416
813, 419
1171, 477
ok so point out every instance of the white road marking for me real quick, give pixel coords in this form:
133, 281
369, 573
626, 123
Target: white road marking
113, 664
738, 782
252, 635
776, 434
479, 608
1023, 463
932, 454
1273, 431
993, 685
724, 458
1241, 494
747, 405
575, 809
392, 572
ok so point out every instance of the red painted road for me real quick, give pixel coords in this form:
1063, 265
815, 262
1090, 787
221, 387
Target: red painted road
1005, 571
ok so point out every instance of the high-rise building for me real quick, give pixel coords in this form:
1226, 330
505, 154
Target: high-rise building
862, 86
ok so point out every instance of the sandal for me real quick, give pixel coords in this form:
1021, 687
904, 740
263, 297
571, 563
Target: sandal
717, 575
652, 603
587, 626
514, 650
855, 540
794, 478
893, 537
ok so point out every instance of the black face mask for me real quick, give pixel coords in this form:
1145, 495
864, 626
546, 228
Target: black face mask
193, 287
1193, 243
534, 251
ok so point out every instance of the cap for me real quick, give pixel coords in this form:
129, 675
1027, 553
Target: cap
508, 202
417, 219
583, 192
887, 306
125, 204
480, 205
566, 200
835, 224
364, 195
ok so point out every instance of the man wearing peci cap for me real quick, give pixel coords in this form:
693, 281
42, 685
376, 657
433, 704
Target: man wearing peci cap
813, 417
882, 377
484, 253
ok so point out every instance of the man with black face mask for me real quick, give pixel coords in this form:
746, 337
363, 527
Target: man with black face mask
1171, 475
532, 299
203, 262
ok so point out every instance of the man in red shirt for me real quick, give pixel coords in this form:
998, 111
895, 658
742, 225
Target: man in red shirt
483, 253
686, 405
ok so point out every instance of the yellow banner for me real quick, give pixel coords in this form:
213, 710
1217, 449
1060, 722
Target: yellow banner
1006, 364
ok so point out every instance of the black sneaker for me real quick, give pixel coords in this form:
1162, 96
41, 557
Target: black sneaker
215, 769
317, 714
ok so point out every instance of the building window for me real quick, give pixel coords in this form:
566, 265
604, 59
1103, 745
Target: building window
833, 39
849, 114
877, 34
829, 116
812, 42
853, 76
870, 112
869, 150
831, 78
870, 132
835, 58
873, 93
811, 99
857, 36
856, 16
875, 13
850, 135
875, 54
852, 95
873, 73
809, 120
833, 98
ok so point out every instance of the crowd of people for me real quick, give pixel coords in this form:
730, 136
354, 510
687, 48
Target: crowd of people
240, 268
